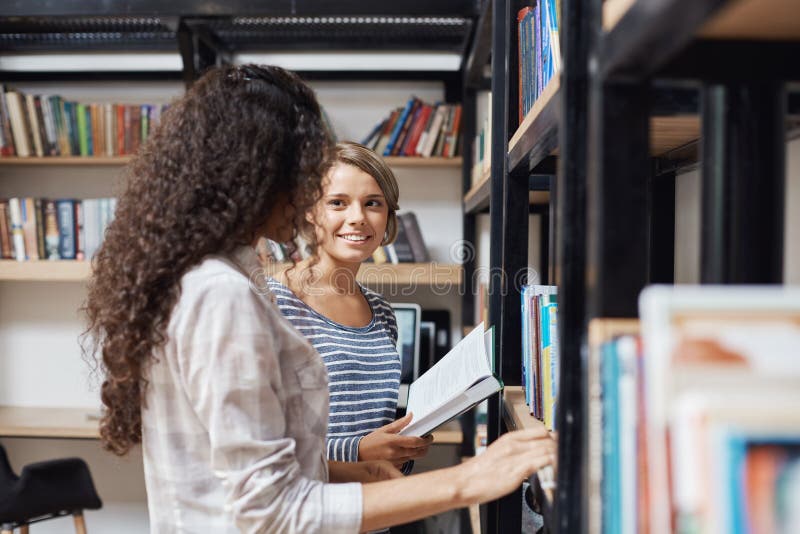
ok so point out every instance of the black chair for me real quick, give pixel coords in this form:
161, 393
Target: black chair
45, 490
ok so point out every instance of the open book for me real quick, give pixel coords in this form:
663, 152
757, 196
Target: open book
460, 380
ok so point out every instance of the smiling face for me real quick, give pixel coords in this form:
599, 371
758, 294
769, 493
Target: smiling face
350, 218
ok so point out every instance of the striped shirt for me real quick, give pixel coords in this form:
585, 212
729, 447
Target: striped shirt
363, 367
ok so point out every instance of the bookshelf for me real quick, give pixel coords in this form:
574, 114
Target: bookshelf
613, 137
394, 162
80, 423
401, 274
441, 26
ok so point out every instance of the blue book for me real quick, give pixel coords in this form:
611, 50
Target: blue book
398, 127
65, 213
609, 372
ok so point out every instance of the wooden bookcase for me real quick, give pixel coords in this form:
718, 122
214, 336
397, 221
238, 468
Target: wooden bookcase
612, 138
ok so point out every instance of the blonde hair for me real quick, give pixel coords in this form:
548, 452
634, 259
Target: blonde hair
363, 158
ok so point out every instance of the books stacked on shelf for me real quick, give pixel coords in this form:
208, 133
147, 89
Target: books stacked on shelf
539, 51
49, 125
482, 143
409, 245
62, 229
699, 427
540, 353
418, 129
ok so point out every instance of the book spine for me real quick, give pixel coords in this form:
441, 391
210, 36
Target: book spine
51, 234
6, 247
17, 237
66, 229
39, 207
399, 127
18, 126
34, 125
80, 236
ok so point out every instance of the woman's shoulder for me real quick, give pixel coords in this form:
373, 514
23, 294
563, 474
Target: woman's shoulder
378, 302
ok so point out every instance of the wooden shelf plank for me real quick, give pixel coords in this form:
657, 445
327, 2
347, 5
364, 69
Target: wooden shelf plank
398, 162
763, 20
613, 10
440, 274
122, 160
23, 421
44, 271
67, 160
538, 133
477, 198
668, 133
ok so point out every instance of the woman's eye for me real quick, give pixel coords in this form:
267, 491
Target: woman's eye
374, 204
335, 203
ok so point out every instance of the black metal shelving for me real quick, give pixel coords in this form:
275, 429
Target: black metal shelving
625, 118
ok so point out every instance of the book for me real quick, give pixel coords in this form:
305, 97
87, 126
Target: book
402, 246
460, 380
710, 349
17, 237
413, 235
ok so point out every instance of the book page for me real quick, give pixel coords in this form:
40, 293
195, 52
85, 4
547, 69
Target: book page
464, 365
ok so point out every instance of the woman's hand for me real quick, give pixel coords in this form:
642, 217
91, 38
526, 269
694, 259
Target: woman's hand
364, 472
505, 464
386, 444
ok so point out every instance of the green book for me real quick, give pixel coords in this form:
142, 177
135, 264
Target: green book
83, 131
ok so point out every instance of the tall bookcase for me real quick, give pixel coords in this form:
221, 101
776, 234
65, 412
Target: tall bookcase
204, 35
648, 87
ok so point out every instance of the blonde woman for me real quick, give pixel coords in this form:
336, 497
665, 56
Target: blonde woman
352, 327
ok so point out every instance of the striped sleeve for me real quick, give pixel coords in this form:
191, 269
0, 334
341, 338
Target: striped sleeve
343, 449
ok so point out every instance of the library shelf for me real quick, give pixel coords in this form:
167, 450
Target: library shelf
477, 198
517, 417
396, 162
82, 423
763, 20
537, 136
67, 160
44, 271
401, 274
46, 422
669, 133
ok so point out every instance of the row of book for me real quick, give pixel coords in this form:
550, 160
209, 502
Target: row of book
49, 125
693, 419
540, 352
62, 229
418, 129
539, 51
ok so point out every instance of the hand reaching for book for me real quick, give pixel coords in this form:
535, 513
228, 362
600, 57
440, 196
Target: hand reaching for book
506, 463
386, 444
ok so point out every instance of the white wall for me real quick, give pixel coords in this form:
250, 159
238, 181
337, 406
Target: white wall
688, 191
40, 360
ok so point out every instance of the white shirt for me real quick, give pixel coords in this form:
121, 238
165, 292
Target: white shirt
233, 429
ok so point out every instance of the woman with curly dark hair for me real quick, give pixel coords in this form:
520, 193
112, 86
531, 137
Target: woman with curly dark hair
229, 402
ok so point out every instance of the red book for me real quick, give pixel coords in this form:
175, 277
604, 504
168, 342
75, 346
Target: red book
120, 129
418, 128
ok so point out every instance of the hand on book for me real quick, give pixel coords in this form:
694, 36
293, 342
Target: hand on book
364, 472
505, 464
386, 444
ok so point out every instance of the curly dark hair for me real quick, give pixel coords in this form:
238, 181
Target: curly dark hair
240, 140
